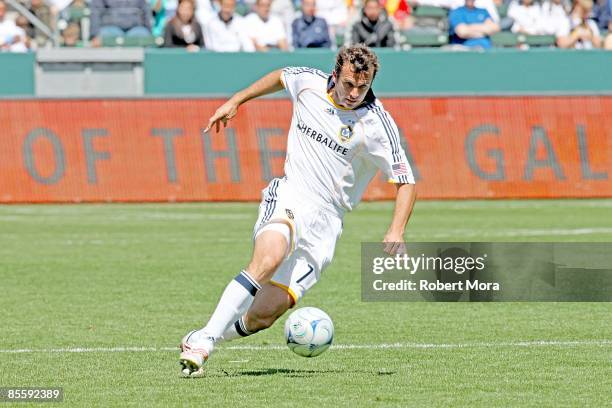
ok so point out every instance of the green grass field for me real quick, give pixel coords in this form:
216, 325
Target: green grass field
94, 299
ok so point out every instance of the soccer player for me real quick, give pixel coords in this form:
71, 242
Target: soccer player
340, 136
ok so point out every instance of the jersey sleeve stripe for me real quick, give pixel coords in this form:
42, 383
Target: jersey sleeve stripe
390, 134
393, 133
301, 70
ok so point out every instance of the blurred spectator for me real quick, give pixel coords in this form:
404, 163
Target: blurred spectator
285, 11
74, 12
581, 31
225, 31
334, 12
555, 17
608, 14
471, 26
204, 11
12, 38
158, 8
118, 18
71, 35
265, 30
374, 29
43, 13
57, 6
23, 23
308, 30
400, 12
488, 5
183, 30
602, 10
336, 15
527, 17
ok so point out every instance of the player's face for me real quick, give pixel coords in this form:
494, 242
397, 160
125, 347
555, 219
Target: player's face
351, 88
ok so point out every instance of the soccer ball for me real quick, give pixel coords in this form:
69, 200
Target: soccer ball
309, 331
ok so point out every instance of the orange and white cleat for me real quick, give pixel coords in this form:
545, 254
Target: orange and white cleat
194, 355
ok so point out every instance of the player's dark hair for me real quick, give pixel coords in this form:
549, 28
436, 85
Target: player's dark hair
361, 58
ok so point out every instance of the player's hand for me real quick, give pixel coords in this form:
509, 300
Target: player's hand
394, 244
225, 112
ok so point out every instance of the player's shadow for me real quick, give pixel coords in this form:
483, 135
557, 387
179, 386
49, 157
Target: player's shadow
287, 372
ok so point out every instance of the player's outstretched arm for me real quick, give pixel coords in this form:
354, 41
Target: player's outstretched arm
266, 85
404, 201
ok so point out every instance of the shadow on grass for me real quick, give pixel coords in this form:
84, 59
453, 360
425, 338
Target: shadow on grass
289, 372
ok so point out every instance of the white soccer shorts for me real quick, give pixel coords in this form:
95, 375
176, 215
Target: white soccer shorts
315, 228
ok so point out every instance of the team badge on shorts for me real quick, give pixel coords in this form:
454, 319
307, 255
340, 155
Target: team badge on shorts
289, 213
346, 132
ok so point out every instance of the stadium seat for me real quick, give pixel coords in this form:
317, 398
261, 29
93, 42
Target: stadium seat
242, 8
77, 13
430, 11
505, 39
433, 19
540, 40
419, 39
503, 10
149, 41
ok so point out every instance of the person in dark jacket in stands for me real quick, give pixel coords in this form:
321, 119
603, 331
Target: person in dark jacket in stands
183, 30
374, 29
118, 18
310, 31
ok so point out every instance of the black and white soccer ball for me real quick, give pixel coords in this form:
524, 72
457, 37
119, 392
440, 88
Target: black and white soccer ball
309, 331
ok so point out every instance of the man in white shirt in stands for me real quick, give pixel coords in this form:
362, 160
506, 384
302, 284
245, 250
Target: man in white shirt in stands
265, 30
555, 19
527, 16
12, 38
226, 31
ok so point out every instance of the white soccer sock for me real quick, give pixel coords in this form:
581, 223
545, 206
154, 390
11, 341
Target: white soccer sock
236, 330
234, 302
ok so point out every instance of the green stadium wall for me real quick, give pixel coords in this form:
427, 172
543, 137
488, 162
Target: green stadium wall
17, 74
418, 72
421, 72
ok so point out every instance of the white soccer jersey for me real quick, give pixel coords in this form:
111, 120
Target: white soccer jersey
333, 152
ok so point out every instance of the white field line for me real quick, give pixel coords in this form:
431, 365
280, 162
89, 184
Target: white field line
531, 343
140, 216
523, 232
516, 204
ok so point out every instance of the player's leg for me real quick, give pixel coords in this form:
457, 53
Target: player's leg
270, 303
270, 249
297, 274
